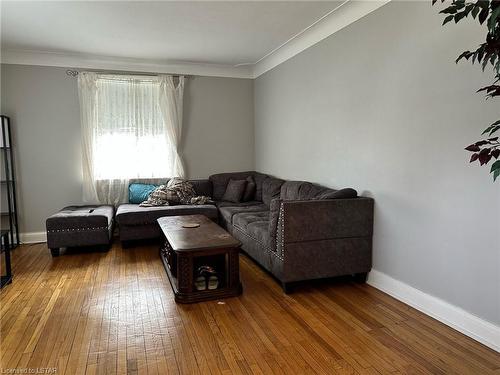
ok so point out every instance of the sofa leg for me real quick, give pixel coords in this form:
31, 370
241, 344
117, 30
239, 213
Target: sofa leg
287, 287
104, 248
54, 251
361, 277
127, 244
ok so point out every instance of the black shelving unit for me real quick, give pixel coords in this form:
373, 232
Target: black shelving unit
8, 212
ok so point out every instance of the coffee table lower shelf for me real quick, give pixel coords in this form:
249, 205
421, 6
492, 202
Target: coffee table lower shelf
233, 286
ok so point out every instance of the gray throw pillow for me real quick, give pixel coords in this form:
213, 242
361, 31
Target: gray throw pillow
250, 190
338, 194
234, 191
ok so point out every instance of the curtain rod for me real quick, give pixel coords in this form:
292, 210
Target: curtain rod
74, 73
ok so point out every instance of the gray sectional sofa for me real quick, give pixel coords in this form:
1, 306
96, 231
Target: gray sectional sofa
294, 229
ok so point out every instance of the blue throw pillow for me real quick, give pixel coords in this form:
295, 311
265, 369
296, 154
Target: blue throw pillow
138, 193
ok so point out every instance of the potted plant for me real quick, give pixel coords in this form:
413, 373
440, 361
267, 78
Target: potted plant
488, 53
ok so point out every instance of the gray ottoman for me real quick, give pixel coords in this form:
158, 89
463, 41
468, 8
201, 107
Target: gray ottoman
80, 226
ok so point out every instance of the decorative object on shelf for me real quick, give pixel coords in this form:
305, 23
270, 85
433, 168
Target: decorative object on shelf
5, 248
8, 182
488, 53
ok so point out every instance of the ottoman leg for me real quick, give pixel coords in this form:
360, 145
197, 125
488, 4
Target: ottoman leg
54, 251
287, 287
127, 244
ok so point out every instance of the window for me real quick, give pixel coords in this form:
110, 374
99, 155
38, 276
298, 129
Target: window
130, 139
131, 127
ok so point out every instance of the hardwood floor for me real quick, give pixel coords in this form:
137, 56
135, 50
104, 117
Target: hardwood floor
115, 313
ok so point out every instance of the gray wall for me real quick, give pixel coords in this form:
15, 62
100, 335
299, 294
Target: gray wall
381, 106
218, 125
43, 103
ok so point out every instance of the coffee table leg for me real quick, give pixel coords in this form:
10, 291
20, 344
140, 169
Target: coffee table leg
184, 273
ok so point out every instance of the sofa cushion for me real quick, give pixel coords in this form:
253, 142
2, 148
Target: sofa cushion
300, 190
250, 189
220, 180
271, 188
133, 214
259, 180
259, 230
243, 219
227, 211
345, 193
254, 225
290, 190
78, 217
310, 191
138, 193
202, 187
234, 191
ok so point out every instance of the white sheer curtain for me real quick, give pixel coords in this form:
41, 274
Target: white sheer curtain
129, 130
171, 107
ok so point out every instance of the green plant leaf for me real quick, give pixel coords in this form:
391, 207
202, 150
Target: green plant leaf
490, 127
496, 174
465, 54
475, 11
495, 166
493, 19
494, 130
450, 10
480, 54
495, 169
459, 16
447, 19
468, 9
483, 15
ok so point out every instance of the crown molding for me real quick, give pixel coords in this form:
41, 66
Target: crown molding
68, 60
348, 12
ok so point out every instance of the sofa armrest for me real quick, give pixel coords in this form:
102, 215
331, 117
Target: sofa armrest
311, 220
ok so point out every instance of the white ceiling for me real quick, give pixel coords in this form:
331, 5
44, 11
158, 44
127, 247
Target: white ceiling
227, 33
221, 35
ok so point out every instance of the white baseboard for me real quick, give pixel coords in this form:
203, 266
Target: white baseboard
33, 237
479, 329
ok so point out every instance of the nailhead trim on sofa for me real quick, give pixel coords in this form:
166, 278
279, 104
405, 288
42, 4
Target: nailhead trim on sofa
77, 229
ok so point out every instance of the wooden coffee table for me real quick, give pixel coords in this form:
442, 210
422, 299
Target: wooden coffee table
186, 249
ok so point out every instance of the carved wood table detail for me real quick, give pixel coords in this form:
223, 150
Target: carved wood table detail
186, 249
